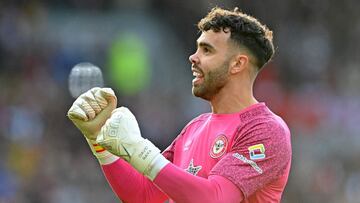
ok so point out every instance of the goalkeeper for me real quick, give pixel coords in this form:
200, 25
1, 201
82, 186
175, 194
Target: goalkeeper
240, 152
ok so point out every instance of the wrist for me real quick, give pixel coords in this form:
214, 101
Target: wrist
147, 159
103, 156
156, 166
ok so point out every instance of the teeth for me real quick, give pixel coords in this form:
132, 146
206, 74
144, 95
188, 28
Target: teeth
196, 74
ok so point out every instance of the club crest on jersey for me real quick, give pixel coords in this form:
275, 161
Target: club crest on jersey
219, 146
257, 152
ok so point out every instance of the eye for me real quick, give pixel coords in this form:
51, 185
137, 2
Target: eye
206, 50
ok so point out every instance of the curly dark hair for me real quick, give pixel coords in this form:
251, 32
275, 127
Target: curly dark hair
245, 31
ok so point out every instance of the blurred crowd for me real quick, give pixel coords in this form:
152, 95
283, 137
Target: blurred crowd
142, 46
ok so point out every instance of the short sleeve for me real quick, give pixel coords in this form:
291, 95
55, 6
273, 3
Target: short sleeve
257, 157
168, 153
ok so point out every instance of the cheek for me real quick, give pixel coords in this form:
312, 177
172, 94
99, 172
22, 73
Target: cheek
208, 62
212, 63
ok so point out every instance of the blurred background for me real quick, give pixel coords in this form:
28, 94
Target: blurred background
142, 47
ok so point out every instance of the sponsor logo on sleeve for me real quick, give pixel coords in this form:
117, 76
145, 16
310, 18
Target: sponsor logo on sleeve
247, 161
257, 152
219, 146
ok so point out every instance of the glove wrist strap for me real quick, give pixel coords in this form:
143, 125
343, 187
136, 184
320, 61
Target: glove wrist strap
156, 166
103, 156
147, 159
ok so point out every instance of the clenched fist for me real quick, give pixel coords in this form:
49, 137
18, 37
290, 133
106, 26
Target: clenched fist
121, 136
90, 110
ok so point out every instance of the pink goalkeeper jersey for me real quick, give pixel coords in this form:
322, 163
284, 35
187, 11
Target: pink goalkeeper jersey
251, 148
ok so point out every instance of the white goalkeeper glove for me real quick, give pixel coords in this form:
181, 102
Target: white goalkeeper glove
89, 113
121, 136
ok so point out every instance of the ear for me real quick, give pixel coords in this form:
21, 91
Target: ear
239, 63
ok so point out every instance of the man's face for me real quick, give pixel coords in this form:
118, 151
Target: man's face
210, 64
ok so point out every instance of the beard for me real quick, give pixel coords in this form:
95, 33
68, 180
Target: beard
213, 82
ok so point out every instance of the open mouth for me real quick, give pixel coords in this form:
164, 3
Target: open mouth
199, 76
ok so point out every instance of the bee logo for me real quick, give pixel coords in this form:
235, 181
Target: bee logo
219, 146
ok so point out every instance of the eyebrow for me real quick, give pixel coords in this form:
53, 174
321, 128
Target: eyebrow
205, 44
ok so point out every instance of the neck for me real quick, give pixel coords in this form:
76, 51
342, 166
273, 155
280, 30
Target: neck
233, 98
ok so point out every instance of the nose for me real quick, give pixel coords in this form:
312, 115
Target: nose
193, 58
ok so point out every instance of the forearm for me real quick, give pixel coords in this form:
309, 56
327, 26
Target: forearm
129, 185
183, 187
121, 136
